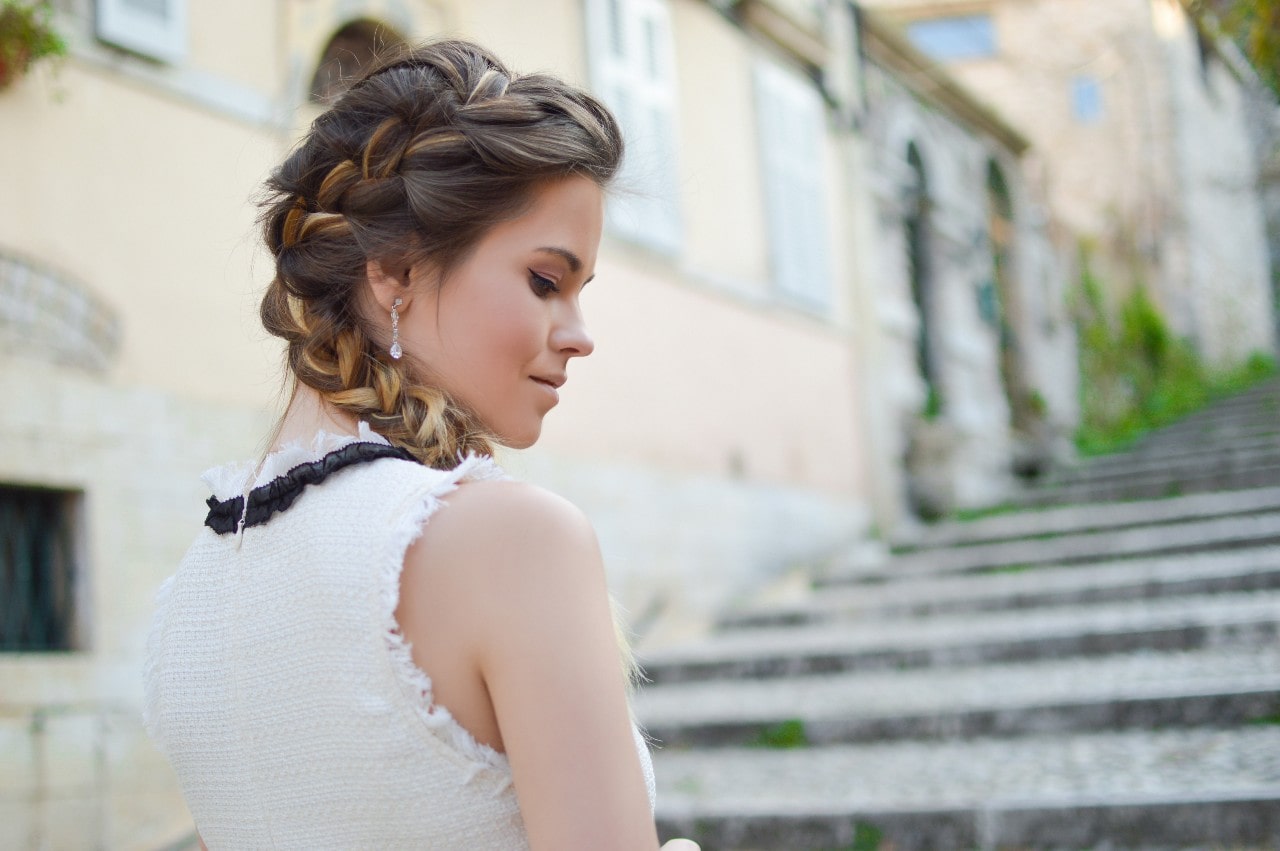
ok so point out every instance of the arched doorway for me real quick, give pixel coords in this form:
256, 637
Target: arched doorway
916, 228
350, 50
1002, 233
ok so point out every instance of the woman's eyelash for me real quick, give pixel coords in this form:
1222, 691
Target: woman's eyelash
542, 285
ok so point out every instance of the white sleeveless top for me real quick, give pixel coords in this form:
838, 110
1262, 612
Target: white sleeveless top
276, 679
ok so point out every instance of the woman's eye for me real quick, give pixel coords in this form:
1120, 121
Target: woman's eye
542, 286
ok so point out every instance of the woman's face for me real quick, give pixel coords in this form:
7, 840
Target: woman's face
498, 334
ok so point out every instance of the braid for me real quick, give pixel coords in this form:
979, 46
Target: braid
414, 163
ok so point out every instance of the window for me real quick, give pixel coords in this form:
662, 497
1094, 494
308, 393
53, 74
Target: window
1205, 53
633, 72
351, 49
949, 39
55, 317
917, 228
1086, 100
154, 28
37, 569
791, 123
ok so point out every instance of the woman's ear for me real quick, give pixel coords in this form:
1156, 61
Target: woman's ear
386, 285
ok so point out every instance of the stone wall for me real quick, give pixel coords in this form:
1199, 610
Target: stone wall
978, 448
78, 770
1219, 214
1143, 148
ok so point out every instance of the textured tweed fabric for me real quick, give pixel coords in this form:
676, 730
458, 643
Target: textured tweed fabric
281, 691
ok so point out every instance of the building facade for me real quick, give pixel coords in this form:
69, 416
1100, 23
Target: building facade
713, 438
821, 302
1139, 117
970, 347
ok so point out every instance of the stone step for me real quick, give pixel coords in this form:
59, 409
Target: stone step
1156, 485
1131, 789
1182, 623
1255, 569
1219, 687
1224, 460
1220, 435
1216, 533
1175, 451
1261, 390
1062, 520
1260, 401
1249, 417
1258, 411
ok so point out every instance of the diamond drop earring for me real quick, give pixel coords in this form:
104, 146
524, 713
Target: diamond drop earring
396, 351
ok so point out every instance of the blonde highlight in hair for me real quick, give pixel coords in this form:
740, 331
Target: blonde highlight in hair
414, 164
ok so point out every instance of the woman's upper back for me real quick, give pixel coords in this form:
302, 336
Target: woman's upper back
280, 688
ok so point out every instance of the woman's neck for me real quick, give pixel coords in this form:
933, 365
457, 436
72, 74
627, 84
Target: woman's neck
309, 414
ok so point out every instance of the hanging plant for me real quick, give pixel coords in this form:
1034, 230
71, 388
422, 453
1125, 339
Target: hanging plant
26, 35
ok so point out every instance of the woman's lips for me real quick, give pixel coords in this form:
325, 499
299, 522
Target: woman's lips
549, 386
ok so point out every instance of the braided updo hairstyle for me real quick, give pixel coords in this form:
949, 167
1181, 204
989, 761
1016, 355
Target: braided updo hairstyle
414, 163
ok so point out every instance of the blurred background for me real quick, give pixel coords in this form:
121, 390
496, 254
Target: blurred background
871, 264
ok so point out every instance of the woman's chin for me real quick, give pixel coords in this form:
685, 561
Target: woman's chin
522, 440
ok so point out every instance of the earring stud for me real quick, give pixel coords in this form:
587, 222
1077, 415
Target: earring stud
396, 351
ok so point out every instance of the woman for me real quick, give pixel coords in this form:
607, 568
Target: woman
380, 641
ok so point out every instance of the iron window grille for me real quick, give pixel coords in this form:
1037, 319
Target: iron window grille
38, 569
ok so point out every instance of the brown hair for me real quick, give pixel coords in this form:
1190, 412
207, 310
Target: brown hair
415, 162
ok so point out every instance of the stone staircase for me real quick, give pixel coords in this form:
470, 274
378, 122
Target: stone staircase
1231, 445
1076, 673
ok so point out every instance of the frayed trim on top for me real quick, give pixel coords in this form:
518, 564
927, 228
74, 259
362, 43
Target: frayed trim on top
232, 480
438, 718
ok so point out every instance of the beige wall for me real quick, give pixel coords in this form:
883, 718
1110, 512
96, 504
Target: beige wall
727, 244
222, 46
145, 198
690, 380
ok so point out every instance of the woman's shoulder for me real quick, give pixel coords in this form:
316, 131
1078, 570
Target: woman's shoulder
502, 545
516, 564
503, 522
510, 500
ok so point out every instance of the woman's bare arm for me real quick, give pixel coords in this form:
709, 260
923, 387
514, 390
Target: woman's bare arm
526, 567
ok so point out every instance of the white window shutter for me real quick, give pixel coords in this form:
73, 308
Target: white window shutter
791, 121
633, 72
153, 28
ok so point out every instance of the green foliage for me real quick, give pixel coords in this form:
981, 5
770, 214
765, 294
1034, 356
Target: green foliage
966, 515
1036, 405
1270, 719
1255, 26
1136, 374
26, 35
866, 837
787, 734
1010, 568
932, 405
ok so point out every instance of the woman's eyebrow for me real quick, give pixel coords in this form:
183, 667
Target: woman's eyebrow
575, 263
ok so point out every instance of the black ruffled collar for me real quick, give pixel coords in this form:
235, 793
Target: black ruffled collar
279, 493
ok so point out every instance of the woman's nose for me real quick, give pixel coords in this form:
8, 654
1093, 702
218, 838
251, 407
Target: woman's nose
570, 336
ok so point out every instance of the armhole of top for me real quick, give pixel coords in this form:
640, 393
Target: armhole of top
413, 681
